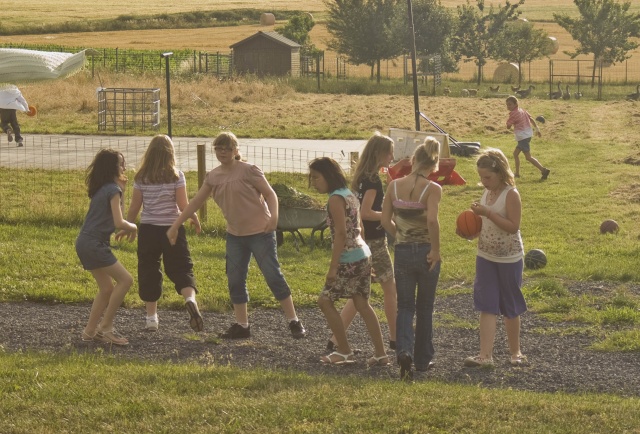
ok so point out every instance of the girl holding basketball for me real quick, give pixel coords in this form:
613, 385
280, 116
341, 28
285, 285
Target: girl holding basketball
499, 262
410, 215
367, 186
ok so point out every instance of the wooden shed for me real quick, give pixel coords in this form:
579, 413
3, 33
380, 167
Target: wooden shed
267, 53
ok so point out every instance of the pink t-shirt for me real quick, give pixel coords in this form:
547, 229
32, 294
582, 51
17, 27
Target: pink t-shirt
519, 118
236, 194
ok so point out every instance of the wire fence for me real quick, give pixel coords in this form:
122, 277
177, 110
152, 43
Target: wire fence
43, 182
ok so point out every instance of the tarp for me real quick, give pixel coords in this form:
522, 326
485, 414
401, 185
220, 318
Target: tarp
19, 65
11, 98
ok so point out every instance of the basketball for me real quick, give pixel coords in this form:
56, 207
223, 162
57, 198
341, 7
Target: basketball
609, 227
32, 111
469, 223
535, 259
541, 119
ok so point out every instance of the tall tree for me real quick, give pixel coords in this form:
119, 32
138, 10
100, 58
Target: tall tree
604, 29
361, 30
520, 42
297, 29
434, 25
477, 30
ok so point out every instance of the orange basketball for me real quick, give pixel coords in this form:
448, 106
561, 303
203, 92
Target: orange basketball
32, 111
469, 223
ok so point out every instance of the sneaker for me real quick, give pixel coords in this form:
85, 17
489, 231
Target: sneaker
19, 143
429, 366
545, 174
152, 325
477, 362
195, 319
9, 135
236, 331
392, 345
297, 329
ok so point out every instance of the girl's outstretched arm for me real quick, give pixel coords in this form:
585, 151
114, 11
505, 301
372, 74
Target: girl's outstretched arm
118, 220
132, 215
198, 200
182, 201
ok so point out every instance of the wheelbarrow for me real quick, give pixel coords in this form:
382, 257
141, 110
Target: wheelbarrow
293, 219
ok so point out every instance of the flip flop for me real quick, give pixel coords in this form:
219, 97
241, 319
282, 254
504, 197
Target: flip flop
345, 359
111, 337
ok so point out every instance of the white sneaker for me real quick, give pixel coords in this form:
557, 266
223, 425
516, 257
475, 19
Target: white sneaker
152, 325
19, 143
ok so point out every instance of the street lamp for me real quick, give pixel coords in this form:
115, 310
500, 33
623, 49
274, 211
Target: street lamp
166, 57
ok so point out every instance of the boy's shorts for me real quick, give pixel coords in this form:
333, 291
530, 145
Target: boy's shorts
524, 145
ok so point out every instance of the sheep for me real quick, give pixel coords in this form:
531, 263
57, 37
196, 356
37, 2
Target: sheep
464, 92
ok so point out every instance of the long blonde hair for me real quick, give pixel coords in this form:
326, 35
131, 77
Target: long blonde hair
368, 164
427, 155
158, 163
495, 161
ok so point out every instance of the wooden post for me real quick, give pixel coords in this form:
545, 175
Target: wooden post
202, 171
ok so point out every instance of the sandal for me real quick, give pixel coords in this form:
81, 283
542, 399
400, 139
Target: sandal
519, 360
378, 361
331, 346
478, 362
86, 337
111, 337
345, 359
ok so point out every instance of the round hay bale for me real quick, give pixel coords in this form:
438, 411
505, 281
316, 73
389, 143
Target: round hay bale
506, 73
310, 15
267, 19
552, 46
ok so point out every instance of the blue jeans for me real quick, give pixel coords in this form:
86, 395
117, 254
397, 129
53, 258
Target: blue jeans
263, 247
411, 271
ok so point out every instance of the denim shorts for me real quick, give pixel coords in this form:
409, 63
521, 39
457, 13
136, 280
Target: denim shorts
497, 286
524, 145
94, 253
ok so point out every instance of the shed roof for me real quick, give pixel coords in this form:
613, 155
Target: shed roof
274, 36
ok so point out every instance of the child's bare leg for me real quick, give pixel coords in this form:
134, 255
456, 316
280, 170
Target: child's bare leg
390, 306
347, 314
240, 313
151, 307
512, 326
371, 321
288, 309
533, 161
487, 334
123, 282
332, 315
516, 157
100, 302
188, 292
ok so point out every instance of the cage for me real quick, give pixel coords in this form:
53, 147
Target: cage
128, 109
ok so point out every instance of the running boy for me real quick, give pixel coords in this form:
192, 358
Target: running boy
521, 122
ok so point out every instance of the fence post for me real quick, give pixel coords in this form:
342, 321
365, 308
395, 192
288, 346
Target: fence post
354, 156
202, 171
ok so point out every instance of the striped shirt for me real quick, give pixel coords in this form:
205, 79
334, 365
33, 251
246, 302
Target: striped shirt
159, 206
519, 118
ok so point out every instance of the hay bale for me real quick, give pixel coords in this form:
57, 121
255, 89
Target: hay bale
267, 19
506, 73
310, 15
552, 46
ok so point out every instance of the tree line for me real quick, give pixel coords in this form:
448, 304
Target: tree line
371, 31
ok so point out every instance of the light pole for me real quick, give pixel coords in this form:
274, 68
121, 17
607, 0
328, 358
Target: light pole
412, 43
166, 57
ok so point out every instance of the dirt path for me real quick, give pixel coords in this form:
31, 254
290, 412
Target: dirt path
557, 363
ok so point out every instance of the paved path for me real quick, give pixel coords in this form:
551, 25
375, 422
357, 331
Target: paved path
66, 152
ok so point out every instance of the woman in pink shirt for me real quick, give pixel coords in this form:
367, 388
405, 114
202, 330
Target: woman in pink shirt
250, 207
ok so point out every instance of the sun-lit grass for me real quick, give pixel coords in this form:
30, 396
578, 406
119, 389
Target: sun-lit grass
59, 393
